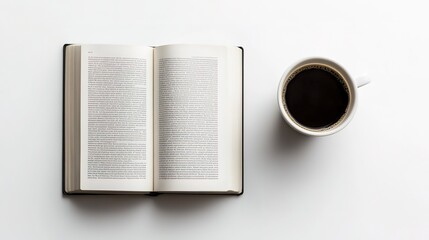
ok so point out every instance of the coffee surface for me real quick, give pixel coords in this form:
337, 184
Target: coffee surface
316, 97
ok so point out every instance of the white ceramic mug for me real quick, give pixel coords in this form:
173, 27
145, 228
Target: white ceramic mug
352, 85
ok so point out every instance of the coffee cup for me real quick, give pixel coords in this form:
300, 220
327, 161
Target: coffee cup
318, 97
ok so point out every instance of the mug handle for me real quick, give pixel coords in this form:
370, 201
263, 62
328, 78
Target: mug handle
362, 81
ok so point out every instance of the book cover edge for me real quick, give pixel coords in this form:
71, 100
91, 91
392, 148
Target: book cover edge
63, 123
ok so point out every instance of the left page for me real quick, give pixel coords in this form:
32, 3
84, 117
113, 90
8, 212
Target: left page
116, 118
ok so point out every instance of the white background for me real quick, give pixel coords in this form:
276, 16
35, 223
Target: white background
370, 181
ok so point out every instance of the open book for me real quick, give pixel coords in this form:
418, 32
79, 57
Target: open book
162, 119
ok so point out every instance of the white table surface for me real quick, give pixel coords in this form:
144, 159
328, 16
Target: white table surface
370, 181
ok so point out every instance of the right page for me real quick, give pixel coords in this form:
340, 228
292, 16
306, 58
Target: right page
198, 119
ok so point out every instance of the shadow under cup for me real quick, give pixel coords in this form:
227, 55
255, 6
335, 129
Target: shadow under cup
317, 97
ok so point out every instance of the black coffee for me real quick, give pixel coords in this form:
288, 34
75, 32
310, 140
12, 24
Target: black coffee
316, 96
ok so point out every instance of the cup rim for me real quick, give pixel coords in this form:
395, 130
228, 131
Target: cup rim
349, 81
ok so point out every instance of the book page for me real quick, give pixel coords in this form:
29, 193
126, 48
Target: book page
117, 118
198, 125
